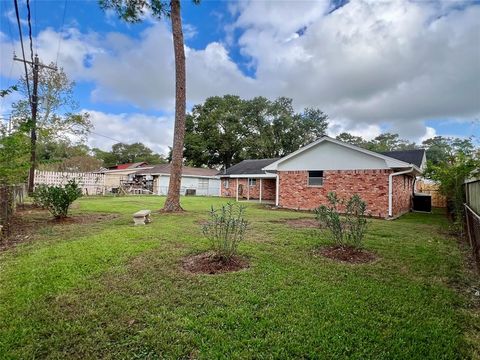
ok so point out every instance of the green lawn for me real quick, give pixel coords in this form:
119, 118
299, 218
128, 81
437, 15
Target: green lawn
112, 290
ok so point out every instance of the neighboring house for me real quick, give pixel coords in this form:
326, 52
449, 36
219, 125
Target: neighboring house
302, 179
128, 166
199, 181
114, 175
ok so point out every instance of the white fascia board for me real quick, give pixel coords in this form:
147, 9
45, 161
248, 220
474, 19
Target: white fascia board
258, 176
183, 175
391, 162
123, 170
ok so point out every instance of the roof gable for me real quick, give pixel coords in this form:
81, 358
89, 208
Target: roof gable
389, 162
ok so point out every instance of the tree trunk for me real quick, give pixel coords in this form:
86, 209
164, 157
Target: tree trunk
172, 204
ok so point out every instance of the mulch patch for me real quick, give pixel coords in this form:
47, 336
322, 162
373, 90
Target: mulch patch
209, 263
347, 254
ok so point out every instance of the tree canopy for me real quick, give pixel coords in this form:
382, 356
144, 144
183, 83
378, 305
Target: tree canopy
57, 114
128, 153
225, 130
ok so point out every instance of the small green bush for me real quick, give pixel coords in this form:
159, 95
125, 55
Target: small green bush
57, 199
348, 229
225, 229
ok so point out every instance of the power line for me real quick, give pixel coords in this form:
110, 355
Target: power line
23, 51
35, 26
105, 136
61, 30
29, 19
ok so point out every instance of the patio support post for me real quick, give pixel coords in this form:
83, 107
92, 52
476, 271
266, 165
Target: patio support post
248, 188
261, 184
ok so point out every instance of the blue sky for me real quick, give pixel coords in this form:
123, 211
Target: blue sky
407, 67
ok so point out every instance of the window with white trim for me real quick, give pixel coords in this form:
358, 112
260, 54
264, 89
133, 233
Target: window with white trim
203, 183
252, 182
226, 183
315, 178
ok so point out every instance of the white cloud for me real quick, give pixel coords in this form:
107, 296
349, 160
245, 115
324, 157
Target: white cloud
155, 132
395, 63
370, 65
429, 133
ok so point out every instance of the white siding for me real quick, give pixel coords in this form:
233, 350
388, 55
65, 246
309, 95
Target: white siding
189, 182
330, 156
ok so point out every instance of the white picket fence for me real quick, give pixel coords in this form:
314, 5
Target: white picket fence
91, 183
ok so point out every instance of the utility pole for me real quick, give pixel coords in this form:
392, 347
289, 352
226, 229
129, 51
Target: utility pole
33, 128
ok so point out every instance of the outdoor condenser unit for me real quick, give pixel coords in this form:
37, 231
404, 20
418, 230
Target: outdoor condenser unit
422, 202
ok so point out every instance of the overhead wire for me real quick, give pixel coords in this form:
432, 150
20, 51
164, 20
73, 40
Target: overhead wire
105, 136
23, 51
61, 32
35, 25
29, 20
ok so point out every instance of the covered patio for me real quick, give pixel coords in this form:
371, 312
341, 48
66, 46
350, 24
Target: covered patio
258, 187
247, 181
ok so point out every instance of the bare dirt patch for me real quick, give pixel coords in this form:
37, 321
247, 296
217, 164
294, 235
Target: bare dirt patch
83, 219
347, 254
28, 219
300, 223
209, 263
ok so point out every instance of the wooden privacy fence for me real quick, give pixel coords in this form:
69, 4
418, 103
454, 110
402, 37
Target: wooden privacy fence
10, 197
472, 216
90, 183
438, 200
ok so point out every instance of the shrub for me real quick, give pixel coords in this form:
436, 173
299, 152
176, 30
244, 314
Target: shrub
57, 199
225, 229
349, 229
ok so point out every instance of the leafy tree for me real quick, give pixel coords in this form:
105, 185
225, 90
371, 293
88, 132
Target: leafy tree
216, 132
13, 150
278, 130
133, 11
225, 130
57, 114
128, 153
453, 162
54, 151
14, 157
351, 139
389, 142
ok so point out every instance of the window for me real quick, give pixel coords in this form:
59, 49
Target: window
203, 183
226, 183
252, 182
315, 178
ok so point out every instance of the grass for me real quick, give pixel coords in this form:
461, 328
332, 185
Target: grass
111, 290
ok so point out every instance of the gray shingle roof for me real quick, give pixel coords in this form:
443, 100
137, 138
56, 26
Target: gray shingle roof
248, 167
186, 170
414, 157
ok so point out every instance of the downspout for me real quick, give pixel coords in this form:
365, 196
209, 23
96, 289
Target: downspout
277, 194
390, 189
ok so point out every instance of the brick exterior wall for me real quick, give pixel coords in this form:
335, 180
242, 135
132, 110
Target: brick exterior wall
371, 185
402, 194
268, 190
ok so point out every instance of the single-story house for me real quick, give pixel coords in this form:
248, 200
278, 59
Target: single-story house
302, 179
197, 181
